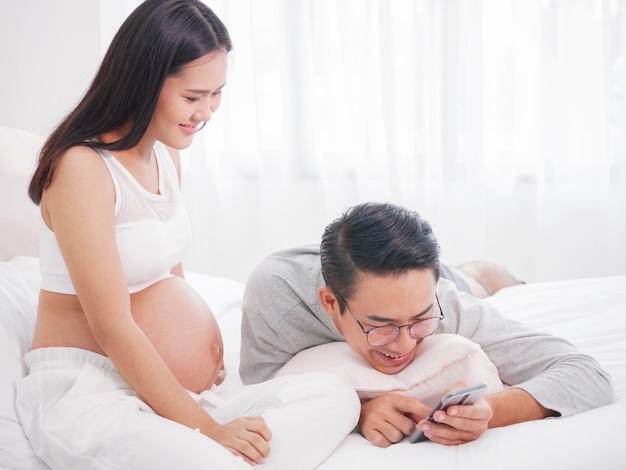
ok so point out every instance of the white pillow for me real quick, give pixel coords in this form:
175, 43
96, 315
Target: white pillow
19, 216
19, 288
442, 360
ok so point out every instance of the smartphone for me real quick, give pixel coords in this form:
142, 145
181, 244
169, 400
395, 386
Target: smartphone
462, 396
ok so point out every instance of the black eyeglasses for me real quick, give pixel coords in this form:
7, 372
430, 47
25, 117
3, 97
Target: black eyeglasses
381, 335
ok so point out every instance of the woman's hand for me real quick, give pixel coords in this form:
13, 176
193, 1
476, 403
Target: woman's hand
246, 437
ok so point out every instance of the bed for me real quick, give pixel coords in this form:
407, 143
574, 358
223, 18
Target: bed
591, 313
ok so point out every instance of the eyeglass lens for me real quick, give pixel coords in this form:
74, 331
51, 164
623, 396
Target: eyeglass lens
386, 334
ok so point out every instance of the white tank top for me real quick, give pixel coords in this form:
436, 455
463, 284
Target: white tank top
152, 231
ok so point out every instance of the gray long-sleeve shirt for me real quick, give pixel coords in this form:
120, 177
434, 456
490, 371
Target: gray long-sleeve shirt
282, 316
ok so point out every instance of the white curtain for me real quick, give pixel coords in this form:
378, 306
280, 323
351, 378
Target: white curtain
502, 121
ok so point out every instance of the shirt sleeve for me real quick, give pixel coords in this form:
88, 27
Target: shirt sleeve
262, 353
279, 319
549, 368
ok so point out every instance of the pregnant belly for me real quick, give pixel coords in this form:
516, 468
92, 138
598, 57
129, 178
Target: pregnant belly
184, 331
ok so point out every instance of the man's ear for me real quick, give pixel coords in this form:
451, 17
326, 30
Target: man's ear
329, 301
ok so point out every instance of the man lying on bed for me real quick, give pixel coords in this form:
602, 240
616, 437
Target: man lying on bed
379, 267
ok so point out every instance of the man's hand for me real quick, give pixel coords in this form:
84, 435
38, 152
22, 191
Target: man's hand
389, 418
458, 424
245, 437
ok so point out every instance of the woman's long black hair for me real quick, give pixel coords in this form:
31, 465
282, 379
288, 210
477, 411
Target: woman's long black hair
155, 41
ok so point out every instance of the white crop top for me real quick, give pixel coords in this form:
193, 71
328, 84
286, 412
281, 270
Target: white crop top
152, 231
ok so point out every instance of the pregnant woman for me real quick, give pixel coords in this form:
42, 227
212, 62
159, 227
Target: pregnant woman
126, 366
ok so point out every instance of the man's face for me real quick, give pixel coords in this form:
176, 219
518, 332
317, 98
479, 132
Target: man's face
380, 301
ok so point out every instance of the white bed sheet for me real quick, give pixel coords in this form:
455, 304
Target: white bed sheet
591, 313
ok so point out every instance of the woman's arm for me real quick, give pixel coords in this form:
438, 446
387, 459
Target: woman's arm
79, 207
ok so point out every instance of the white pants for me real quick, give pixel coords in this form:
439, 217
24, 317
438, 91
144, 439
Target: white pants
79, 413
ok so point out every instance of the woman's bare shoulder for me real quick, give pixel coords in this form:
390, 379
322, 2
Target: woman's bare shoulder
79, 157
80, 173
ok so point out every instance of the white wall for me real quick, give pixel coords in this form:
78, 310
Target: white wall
49, 51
